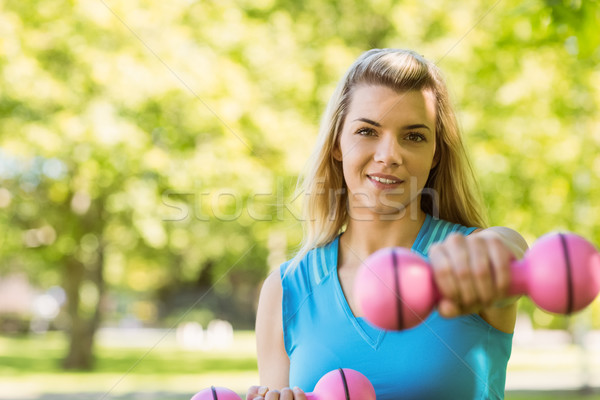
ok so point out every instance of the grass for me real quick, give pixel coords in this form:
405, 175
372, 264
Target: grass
155, 369
30, 367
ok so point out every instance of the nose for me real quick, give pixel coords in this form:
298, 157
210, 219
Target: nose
388, 151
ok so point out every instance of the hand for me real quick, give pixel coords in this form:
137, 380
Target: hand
263, 393
471, 272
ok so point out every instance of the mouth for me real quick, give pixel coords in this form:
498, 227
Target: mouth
383, 182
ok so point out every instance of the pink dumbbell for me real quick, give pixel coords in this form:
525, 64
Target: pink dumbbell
339, 384
216, 393
561, 273
342, 384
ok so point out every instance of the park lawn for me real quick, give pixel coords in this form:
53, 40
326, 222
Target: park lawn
30, 369
30, 366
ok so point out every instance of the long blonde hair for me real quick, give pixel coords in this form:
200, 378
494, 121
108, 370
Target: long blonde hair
452, 179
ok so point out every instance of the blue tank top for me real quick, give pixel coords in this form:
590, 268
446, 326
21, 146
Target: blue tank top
459, 358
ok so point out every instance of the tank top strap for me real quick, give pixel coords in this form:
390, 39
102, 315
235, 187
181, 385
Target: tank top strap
311, 271
435, 230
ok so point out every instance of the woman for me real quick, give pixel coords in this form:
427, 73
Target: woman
389, 169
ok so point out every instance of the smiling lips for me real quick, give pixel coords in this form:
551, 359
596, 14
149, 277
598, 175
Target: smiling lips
381, 180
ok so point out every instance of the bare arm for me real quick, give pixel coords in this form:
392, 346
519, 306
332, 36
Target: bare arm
273, 361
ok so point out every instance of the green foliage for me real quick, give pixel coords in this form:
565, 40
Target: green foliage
164, 139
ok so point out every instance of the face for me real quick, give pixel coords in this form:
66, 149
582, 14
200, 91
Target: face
387, 148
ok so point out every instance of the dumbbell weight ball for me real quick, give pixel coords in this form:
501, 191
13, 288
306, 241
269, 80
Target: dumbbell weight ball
342, 384
216, 393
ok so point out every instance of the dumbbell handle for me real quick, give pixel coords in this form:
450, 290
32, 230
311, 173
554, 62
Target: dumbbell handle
520, 285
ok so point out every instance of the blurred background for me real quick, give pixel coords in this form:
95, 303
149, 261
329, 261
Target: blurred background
149, 153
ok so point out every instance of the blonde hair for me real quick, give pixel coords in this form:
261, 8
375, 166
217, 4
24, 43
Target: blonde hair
453, 179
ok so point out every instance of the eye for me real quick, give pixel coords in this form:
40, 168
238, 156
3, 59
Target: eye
416, 137
366, 132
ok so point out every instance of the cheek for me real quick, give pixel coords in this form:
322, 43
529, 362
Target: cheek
352, 169
354, 161
349, 171
420, 166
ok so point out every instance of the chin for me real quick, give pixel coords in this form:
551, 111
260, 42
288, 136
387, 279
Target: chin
390, 211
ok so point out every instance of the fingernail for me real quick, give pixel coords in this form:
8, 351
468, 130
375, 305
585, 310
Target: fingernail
263, 390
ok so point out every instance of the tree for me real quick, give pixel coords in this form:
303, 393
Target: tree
152, 149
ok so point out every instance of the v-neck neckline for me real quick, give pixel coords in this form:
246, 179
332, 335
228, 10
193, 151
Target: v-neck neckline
372, 335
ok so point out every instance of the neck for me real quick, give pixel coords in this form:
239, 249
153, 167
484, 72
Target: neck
364, 237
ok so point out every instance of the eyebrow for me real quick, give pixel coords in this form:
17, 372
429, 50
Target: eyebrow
377, 124
369, 121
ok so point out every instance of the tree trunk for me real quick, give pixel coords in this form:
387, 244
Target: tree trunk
81, 343
83, 327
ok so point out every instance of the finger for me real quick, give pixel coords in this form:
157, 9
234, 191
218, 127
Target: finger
252, 390
456, 248
262, 390
256, 392
448, 308
481, 271
501, 258
299, 394
272, 395
443, 273
286, 394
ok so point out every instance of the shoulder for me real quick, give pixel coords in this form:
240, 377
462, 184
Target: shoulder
511, 238
436, 230
307, 271
272, 285
268, 316
269, 303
